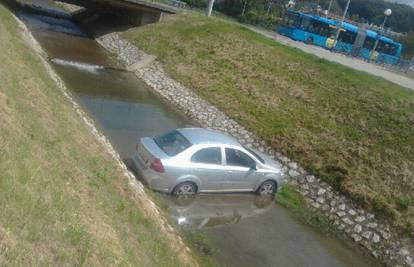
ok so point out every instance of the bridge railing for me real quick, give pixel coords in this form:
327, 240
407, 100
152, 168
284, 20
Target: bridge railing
177, 3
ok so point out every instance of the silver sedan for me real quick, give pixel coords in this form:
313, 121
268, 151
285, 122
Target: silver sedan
192, 160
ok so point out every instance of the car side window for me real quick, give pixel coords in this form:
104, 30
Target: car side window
236, 157
210, 155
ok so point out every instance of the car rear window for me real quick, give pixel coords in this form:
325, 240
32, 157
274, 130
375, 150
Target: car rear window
172, 143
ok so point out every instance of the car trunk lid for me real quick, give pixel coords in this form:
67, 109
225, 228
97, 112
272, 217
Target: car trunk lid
149, 151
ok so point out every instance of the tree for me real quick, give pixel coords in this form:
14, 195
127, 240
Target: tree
408, 45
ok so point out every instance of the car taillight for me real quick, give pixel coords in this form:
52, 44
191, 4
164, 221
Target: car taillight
157, 166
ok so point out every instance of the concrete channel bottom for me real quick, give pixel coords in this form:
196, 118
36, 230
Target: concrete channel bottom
244, 230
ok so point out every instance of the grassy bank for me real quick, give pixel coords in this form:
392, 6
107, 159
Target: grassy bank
352, 129
63, 200
295, 202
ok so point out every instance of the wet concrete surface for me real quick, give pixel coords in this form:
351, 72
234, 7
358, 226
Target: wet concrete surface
244, 229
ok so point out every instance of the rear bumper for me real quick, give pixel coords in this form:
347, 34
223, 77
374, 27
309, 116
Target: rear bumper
152, 179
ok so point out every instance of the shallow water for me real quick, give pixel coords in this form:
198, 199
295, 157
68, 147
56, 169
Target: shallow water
244, 229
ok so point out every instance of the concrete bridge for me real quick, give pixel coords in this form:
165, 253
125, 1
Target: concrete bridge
99, 14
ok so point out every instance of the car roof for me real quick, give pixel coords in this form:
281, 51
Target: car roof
206, 136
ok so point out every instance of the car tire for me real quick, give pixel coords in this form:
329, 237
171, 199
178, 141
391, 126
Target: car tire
185, 189
267, 188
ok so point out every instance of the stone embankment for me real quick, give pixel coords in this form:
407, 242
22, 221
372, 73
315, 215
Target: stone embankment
354, 223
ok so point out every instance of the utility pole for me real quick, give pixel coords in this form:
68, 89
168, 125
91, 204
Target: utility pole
387, 13
244, 8
330, 6
341, 22
209, 7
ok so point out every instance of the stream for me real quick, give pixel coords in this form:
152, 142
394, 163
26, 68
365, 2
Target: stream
244, 229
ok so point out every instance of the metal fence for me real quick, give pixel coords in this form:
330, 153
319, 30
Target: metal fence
389, 62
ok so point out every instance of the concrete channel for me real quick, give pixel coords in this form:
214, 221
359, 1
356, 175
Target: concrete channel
243, 229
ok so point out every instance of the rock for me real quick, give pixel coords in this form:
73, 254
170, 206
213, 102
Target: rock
284, 159
305, 186
357, 228
342, 207
367, 235
321, 191
320, 200
341, 227
325, 207
293, 173
293, 165
356, 237
372, 225
403, 252
360, 219
376, 238
301, 170
341, 213
302, 181
347, 221
370, 216
310, 178
352, 212
316, 205
409, 261
385, 234
333, 203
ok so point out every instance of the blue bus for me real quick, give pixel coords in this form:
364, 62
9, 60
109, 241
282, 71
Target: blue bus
352, 39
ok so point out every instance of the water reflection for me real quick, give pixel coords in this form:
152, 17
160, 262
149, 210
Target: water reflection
215, 210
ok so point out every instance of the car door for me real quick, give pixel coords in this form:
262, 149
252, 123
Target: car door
240, 169
207, 165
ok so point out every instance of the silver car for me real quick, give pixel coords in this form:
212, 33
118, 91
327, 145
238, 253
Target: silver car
192, 160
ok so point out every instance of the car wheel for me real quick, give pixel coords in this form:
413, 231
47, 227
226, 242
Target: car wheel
185, 189
267, 188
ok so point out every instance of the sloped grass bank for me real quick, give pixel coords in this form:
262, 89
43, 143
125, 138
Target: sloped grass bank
63, 200
350, 128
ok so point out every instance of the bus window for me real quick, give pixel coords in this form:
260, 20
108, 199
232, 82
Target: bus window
347, 37
369, 43
387, 48
321, 28
315, 26
292, 19
306, 23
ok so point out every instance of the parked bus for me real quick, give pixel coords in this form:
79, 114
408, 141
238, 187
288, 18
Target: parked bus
352, 40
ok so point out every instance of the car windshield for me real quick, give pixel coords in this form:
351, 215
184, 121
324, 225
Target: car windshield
172, 143
255, 155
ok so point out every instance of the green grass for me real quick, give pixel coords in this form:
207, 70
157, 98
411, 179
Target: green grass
63, 200
352, 129
294, 201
